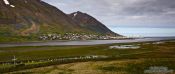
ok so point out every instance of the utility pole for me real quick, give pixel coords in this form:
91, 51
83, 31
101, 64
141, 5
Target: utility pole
14, 60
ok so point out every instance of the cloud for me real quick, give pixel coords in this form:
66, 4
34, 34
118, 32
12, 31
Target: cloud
150, 7
152, 13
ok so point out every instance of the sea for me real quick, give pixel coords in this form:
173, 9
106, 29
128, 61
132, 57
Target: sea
145, 32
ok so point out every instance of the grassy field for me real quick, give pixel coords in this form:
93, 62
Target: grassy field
127, 66
44, 52
126, 61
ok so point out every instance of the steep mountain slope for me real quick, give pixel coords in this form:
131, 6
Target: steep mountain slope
33, 17
90, 23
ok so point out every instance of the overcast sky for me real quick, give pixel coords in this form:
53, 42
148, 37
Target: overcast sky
116, 13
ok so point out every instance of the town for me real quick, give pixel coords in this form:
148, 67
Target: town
78, 36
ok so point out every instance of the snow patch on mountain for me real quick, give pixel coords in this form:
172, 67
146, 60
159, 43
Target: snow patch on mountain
75, 14
12, 6
8, 3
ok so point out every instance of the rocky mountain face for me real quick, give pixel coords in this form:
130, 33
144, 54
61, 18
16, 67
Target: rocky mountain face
28, 17
90, 23
33, 16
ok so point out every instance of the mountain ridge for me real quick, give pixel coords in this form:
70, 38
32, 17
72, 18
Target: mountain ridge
33, 17
91, 23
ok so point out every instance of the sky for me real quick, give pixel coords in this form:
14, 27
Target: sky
124, 13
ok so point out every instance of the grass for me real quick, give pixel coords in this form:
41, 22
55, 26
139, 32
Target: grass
109, 68
130, 61
8, 38
127, 66
6, 66
44, 52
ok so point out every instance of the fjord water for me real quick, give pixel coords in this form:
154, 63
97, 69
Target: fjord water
145, 32
84, 42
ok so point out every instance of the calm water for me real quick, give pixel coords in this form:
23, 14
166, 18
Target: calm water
145, 32
86, 42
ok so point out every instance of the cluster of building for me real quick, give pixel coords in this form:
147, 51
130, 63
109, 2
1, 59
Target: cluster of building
50, 37
76, 36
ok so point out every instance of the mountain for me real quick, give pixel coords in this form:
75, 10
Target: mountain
32, 17
90, 23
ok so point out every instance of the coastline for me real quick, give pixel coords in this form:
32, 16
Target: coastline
83, 42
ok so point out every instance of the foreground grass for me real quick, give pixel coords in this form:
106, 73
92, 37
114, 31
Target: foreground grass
134, 61
128, 66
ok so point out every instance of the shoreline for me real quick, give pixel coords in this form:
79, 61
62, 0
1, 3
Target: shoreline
83, 42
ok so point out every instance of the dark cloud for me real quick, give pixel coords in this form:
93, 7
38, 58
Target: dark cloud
123, 12
150, 7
